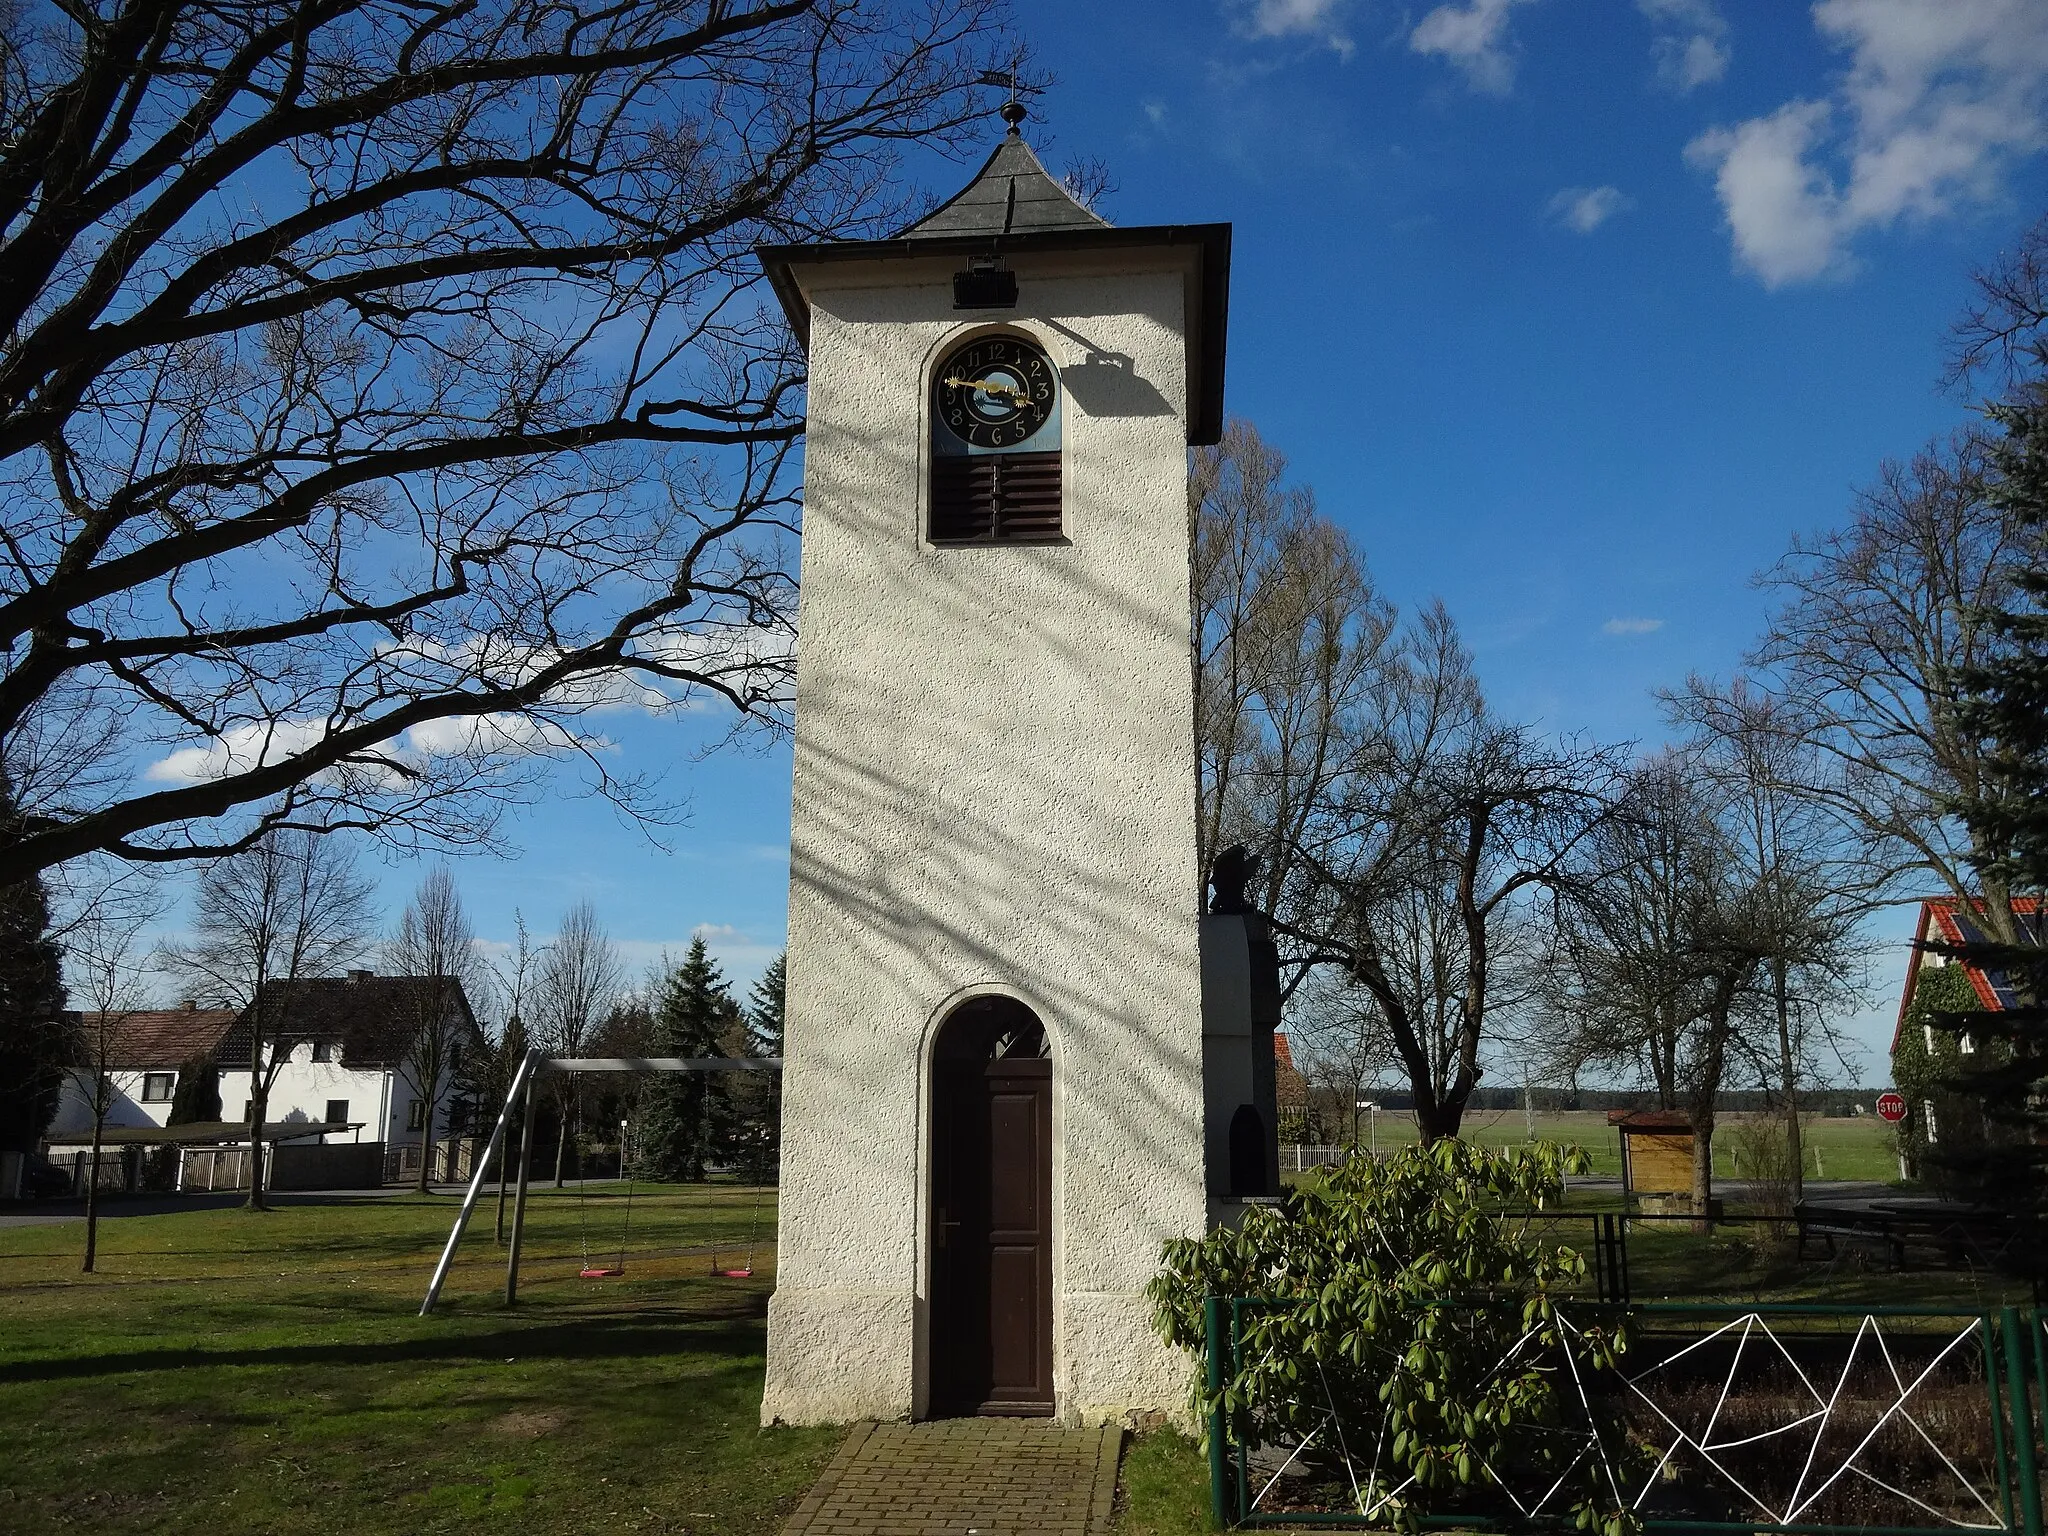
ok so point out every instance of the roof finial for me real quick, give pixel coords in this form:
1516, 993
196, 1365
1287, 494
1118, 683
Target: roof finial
1013, 110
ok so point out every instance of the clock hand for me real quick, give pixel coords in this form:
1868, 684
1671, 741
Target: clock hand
991, 387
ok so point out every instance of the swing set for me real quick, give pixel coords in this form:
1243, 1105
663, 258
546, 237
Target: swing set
521, 1097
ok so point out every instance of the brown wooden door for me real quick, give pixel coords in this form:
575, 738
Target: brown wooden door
991, 1329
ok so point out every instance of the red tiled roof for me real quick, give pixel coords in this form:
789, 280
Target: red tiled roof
1952, 924
154, 1038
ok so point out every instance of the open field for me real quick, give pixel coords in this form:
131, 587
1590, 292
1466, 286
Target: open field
1861, 1149
229, 1371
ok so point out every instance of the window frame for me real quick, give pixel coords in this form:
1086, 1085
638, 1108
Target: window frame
170, 1082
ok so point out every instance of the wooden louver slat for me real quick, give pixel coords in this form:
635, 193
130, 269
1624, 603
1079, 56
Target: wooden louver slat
995, 498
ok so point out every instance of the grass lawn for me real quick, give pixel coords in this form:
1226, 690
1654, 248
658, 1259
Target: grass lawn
266, 1372
1861, 1148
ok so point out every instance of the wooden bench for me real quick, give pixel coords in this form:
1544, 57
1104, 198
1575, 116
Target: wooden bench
1943, 1236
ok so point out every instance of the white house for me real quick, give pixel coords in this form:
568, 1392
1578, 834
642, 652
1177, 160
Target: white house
145, 1052
348, 1039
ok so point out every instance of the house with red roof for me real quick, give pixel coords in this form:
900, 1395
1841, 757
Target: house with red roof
148, 1050
1925, 1060
1947, 920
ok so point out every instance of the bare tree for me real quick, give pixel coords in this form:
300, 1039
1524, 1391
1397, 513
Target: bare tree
1426, 889
383, 389
1291, 644
435, 947
288, 907
1878, 620
513, 981
1781, 813
578, 979
107, 962
1343, 1041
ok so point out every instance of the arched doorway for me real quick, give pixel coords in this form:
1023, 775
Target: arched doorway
991, 1191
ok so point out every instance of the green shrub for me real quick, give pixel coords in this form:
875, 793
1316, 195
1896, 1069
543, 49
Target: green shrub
1397, 1293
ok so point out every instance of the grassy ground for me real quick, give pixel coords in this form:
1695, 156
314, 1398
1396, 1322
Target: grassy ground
1165, 1489
229, 1371
1862, 1149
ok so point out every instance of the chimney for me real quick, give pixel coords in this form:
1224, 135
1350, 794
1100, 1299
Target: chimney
190, 1005
360, 975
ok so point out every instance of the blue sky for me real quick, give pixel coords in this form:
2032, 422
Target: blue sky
1572, 311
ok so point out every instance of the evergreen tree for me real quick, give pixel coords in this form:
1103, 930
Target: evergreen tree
760, 1129
2006, 704
196, 1100
765, 1008
33, 1036
689, 1114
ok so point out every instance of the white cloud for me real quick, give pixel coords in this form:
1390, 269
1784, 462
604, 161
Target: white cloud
1690, 43
1155, 112
1938, 101
236, 750
1632, 626
1584, 209
1321, 20
481, 735
244, 747
1474, 37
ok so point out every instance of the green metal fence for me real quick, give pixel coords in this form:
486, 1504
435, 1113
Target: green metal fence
1978, 1394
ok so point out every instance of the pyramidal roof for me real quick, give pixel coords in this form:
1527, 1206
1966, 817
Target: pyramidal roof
1011, 194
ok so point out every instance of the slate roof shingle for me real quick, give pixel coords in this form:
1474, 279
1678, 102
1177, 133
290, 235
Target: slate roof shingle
1010, 194
372, 1018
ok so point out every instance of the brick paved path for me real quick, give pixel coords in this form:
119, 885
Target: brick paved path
990, 1477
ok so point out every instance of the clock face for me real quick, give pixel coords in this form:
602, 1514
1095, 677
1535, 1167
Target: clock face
996, 391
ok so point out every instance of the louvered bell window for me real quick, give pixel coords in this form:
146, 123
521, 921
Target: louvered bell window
996, 442
995, 498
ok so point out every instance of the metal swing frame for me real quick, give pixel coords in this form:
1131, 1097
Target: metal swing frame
521, 1095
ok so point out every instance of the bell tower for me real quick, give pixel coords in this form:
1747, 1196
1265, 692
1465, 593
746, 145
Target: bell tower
993, 1111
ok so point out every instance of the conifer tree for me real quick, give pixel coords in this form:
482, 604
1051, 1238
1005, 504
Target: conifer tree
689, 1114
765, 1008
2006, 704
760, 1134
33, 1038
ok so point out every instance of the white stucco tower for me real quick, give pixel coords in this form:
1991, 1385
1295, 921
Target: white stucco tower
993, 1110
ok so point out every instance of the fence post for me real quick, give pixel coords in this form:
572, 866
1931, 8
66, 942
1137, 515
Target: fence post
1989, 1341
2017, 1388
1244, 1450
1219, 1493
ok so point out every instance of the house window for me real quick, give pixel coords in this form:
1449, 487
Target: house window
416, 1115
1927, 1036
337, 1112
1927, 1111
326, 1050
995, 447
157, 1087
1968, 1044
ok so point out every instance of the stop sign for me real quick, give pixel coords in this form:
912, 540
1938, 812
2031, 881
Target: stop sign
1891, 1107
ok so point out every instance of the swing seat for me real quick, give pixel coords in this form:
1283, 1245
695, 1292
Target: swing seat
595, 1273
732, 1274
